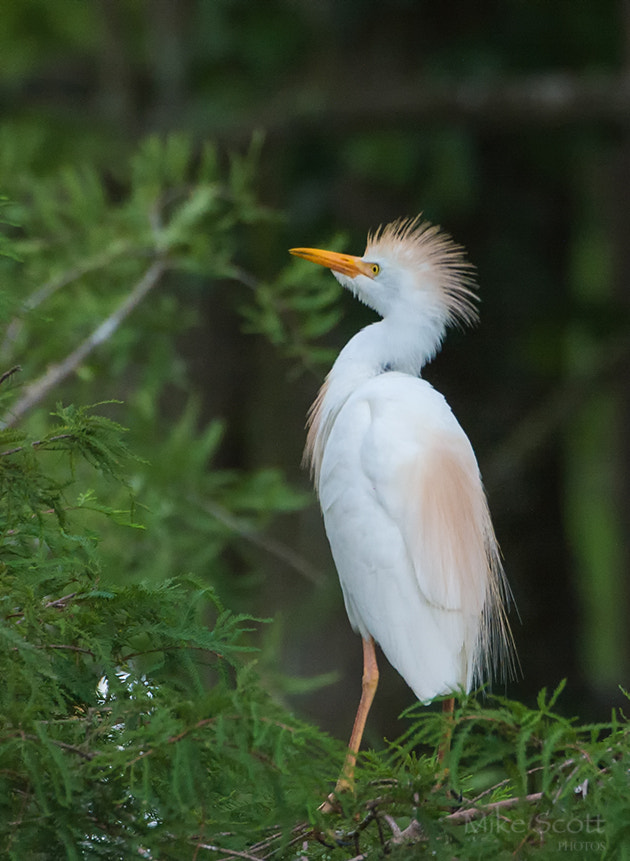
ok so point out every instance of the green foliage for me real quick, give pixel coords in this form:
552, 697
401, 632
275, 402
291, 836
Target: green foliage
132, 720
6, 246
131, 714
85, 257
132, 724
132, 717
129, 720
516, 782
98, 292
194, 511
296, 310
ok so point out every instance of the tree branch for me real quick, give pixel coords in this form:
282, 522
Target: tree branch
55, 374
70, 748
44, 292
466, 814
232, 853
68, 648
35, 444
274, 548
549, 98
7, 374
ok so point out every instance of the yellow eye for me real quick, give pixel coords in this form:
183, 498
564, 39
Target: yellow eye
375, 269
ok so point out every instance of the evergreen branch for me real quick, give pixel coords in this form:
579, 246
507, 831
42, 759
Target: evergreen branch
61, 602
246, 278
51, 286
99, 261
58, 602
36, 443
289, 316
183, 647
14, 370
466, 814
70, 748
67, 647
411, 833
473, 802
204, 722
232, 853
56, 373
300, 832
173, 739
278, 723
564, 785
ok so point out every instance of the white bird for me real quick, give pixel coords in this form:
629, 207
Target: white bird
398, 482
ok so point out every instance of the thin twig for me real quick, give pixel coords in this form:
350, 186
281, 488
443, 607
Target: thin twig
14, 370
183, 647
301, 831
468, 813
172, 739
36, 443
50, 287
231, 852
58, 602
274, 548
37, 390
246, 278
473, 801
61, 602
564, 785
71, 748
67, 647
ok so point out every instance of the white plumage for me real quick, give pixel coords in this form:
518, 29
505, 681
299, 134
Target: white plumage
399, 486
387, 508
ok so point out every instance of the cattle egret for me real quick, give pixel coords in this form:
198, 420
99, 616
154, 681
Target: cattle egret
398, 482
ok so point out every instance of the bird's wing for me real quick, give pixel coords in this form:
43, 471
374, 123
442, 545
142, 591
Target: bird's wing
409, 528
427, 481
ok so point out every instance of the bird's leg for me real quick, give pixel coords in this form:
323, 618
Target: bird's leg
368, 689
369, 684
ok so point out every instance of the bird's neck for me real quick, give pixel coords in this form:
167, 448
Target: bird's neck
389, 345
392, 344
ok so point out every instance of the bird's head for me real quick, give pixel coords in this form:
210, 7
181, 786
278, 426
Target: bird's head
409, 268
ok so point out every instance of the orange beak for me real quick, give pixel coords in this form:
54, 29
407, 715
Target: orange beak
347, 264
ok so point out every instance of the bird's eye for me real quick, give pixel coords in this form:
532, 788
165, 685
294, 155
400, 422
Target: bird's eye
375, 269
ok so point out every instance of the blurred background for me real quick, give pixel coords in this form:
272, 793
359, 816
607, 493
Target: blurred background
508, 124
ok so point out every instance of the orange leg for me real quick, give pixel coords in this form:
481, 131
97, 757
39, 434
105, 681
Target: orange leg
368, 689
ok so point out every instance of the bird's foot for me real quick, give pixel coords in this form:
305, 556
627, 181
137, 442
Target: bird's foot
332, 805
